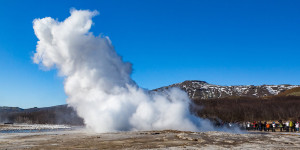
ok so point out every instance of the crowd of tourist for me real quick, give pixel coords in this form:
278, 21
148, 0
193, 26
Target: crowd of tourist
288, 126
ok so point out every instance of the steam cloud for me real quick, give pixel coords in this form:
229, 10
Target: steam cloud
98, 82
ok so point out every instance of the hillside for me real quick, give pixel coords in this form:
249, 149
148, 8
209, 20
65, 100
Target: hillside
61, 114
249, 109
291, 92
4, 109
203, 90
229, 103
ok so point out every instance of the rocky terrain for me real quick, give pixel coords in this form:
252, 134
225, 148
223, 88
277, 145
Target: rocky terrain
167, 139
203, 90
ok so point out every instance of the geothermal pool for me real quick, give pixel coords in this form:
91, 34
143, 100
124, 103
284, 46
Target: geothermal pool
33, 128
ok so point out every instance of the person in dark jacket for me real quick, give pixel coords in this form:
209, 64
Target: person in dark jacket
256, 125
265, 126
260, 126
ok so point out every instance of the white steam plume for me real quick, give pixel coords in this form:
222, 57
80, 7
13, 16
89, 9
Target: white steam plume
98, 82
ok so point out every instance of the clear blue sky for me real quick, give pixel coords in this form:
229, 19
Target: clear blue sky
221, 42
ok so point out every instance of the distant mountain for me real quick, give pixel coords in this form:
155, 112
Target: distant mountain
61, 114
4, 109
196, 90
203, 90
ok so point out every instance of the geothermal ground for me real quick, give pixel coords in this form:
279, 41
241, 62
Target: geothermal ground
80, 138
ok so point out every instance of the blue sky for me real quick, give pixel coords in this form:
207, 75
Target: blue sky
221, 42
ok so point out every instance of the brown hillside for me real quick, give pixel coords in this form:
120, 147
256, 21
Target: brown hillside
248, 109
291, 92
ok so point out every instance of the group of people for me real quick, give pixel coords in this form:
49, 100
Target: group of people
288, 126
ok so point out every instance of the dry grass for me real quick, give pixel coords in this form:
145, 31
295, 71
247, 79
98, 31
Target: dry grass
291, 92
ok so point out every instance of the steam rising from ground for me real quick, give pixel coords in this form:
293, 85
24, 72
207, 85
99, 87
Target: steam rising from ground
98, 82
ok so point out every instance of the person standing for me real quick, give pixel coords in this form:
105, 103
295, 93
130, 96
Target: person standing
248, 126
273, 127
280, 126
260, 126
265, 126
297, 126
287, 126
254, 127
268, 127
291, 126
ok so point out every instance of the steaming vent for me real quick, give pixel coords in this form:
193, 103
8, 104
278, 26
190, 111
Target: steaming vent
98, 82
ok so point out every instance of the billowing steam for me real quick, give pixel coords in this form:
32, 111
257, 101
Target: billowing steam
98, 82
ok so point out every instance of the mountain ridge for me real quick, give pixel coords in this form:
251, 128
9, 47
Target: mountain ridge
197, 89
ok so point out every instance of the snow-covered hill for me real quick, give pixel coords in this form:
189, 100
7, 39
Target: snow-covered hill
203, 90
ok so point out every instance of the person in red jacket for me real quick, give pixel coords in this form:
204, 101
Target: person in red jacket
268, 127
254, 125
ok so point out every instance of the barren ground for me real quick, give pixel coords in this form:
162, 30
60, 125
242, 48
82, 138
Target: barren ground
167, 139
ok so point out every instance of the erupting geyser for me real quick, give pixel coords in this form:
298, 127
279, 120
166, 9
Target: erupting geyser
98, 82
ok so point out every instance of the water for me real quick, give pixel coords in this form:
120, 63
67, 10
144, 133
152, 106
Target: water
33, 130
